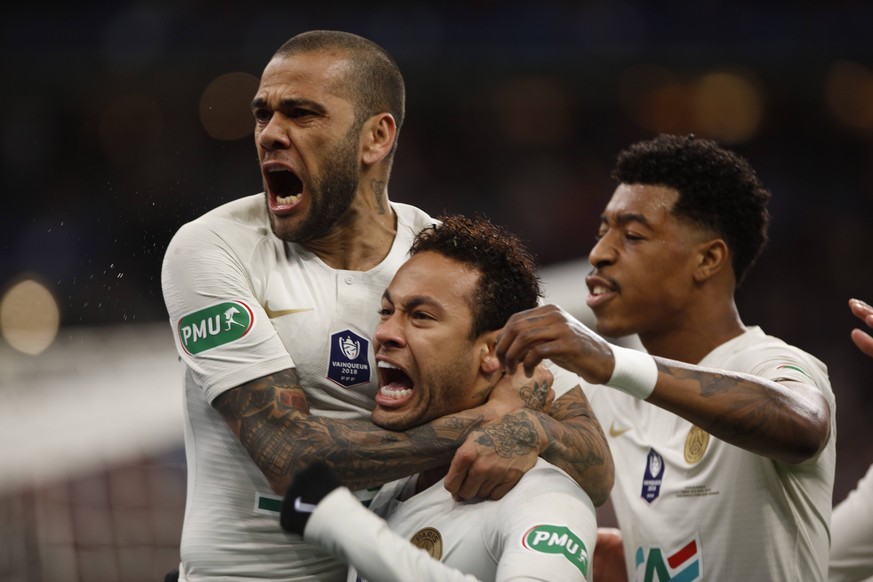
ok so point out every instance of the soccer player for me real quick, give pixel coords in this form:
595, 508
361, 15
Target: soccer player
435, 351
723, 436
852, 520
272, 299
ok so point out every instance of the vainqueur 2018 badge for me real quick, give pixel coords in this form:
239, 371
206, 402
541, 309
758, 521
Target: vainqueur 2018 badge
653, 476
349, 359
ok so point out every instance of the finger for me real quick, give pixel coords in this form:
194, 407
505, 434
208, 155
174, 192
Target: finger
861, 310
473, 487
458, 469
503, 488
863, 341
497, 482
536, 354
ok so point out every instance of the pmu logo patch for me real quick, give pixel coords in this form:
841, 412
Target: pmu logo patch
653, 476
683, 565
349, 359
557, 539
215, 326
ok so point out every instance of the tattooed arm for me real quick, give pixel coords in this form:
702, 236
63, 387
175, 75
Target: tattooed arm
569, 436
787, 421
270, 416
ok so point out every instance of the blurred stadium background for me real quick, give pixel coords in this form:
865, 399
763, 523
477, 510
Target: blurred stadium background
122, 121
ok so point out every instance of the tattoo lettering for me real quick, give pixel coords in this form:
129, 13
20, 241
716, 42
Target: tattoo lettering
378, 187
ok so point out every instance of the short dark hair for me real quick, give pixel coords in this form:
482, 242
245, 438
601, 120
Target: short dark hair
374, 84
508, 280
718, 190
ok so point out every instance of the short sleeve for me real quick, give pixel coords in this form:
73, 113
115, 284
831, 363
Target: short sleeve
221, 331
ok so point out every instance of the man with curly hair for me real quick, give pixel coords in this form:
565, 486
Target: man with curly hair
723, 437
434, 346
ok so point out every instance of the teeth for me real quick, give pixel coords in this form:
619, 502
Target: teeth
395, 394
287, 200
390, 366
272, 169
599, 290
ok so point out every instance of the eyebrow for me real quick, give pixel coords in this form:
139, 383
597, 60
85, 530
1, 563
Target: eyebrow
288, 103
414, 301
627, 218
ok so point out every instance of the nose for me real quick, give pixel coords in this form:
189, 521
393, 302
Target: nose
389, 333
603, 251
274, 135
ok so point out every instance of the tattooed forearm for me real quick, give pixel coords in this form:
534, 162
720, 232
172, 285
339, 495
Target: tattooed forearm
535, 394
270, 417
513, 435
577, 444
785, 420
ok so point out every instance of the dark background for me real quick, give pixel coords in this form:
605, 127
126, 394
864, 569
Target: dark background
113, 134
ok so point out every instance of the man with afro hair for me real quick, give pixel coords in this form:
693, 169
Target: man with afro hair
723, 437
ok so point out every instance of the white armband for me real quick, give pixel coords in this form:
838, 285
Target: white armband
635, 372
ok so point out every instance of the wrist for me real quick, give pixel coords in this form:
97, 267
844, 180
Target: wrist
635, 372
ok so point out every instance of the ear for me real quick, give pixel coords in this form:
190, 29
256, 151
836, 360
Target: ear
488, 362
714, 258
377, 138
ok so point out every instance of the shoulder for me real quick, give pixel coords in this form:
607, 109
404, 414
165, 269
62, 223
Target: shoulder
239, 224
238, 215
411, 218
757, 350
545, 478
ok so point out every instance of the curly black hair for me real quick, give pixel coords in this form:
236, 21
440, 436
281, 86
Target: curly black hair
718, 190
508, 280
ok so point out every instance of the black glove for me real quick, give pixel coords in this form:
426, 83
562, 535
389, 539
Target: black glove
309, 487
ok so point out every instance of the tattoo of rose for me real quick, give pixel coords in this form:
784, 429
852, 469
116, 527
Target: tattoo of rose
510, 437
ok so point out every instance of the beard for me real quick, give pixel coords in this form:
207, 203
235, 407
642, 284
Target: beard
331, 194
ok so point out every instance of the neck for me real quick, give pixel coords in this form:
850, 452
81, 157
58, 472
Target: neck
695, 335
362, 237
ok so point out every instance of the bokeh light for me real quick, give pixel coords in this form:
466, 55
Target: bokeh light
225, 106
653, 98
29, 316
535, 111
727, 106
849, 94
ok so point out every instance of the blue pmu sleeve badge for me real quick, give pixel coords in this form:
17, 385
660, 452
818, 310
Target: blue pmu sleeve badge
349, 359
653, 476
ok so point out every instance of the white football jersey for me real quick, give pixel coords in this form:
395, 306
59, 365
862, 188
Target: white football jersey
244, 304
693, 507
545, 528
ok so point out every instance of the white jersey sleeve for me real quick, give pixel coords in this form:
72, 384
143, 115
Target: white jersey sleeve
852, 534
221, 330
550, 532
352, 532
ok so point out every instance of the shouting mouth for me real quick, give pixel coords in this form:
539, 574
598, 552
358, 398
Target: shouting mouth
284, 188
395, 386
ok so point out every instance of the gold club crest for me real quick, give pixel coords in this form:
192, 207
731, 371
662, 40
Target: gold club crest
429, 540
695, 444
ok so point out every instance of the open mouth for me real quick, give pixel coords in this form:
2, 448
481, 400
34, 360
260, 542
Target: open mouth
394, 383
600, 290
284, 187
